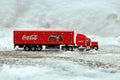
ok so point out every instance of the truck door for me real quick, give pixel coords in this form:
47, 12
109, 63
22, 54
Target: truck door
81, 40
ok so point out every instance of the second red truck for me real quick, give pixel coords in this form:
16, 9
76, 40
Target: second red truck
34, 40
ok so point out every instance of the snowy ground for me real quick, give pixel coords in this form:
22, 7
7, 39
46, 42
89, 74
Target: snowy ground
54, 69
60, 65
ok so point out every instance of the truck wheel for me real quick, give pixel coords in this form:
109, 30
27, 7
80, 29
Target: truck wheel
70, 48
96, 48
26, 48
39, 48
64, 48
33, 49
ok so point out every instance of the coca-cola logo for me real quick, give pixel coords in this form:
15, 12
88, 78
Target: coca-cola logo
30, 37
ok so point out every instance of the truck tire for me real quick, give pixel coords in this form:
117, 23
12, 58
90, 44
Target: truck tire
70, 48
33, 48
96, 48
64, 48
39, 48
26, 48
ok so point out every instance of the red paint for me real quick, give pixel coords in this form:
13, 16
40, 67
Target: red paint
44, 37
88, 41
81, 40
94, 44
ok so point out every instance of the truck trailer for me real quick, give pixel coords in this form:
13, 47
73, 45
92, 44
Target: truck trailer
34, 40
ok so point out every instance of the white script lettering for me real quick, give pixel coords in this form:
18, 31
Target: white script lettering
31, 37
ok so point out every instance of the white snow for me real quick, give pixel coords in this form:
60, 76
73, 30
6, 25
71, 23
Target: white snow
54, 70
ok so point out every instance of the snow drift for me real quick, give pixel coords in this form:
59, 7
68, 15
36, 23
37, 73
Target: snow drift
89, 17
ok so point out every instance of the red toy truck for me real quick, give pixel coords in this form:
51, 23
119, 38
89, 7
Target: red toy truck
34, 40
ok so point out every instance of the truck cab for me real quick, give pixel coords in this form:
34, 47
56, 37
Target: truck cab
81, 40
84, 42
